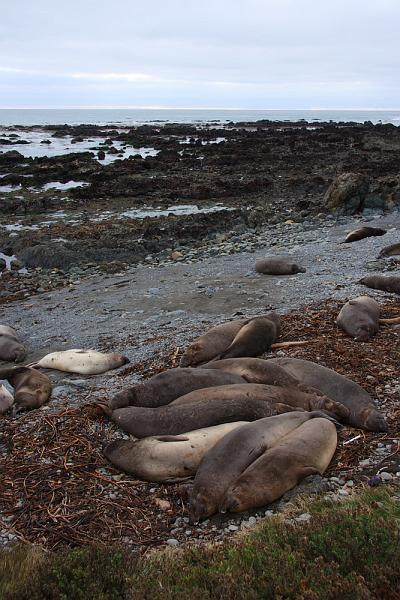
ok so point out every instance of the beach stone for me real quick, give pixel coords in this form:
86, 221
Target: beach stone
385, 476
303, 518
347, 192
172, 542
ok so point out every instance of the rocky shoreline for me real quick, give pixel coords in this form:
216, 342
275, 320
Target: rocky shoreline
147, 287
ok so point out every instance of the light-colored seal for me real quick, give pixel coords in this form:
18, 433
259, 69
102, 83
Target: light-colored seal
231, 456
173, 420
166, 458
291, 396
278, 265
6, 399
363, 232
380, 282
363, 414
305, 451
393, 250
173, 383
254, 335
11, 348
359, 318
31, 388
85, 362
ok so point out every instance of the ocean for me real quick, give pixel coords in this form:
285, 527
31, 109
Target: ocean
134, 116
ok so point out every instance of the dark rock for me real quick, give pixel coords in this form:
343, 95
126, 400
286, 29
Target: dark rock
347, 193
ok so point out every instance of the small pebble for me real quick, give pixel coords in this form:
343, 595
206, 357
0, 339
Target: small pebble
172, 542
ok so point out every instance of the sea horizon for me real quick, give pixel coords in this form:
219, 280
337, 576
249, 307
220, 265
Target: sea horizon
27, 116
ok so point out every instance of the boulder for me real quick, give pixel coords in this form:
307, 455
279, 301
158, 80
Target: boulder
347, 193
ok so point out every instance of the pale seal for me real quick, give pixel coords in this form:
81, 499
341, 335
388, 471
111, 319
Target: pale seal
85, 362
166, 458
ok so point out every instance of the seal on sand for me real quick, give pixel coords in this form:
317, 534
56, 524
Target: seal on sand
254, 336
291, 396
305, 451
278, 265
363, 232
85, 362
166, 458
380, 282
173, 420
231, 456
165, 387
11, 348
359, 318
6, 399
363, 414
392, 250
31, 388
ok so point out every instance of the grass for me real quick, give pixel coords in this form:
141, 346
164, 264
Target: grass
347, 551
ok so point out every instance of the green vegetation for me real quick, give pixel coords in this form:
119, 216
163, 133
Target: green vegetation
347, 551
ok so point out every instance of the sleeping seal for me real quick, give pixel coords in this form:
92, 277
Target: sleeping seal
305, 451
231, 456
173, 420
292, 396
380, 282
242, 337
31, 388
165, 387
85, 362
393, 250
359, 318
166, 458
363, 232
11, 348
363, 414
278, 265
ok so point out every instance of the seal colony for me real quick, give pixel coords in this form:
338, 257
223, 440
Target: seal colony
248, 429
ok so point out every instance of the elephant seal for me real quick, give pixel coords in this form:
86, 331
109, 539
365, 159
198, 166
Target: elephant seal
359, 318
254, 370
173, 420
254, 338
231, 456
278, 265
85, 362
337, 387
380, 282
393, 250
166, 458
11, 349
31, 388
239, 335
363, 232
6, 399
307, 450
165, 387
291, 396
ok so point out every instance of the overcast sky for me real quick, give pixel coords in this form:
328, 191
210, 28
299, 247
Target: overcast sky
200, 53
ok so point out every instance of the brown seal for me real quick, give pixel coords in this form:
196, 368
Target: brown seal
165, 387
359, 318
173, 420
363, 232
305, 451
11, 348
169, 457
254, 336
393, 250
231, 456
278, 265
363, 414
291, 396
31, 388
380, 282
